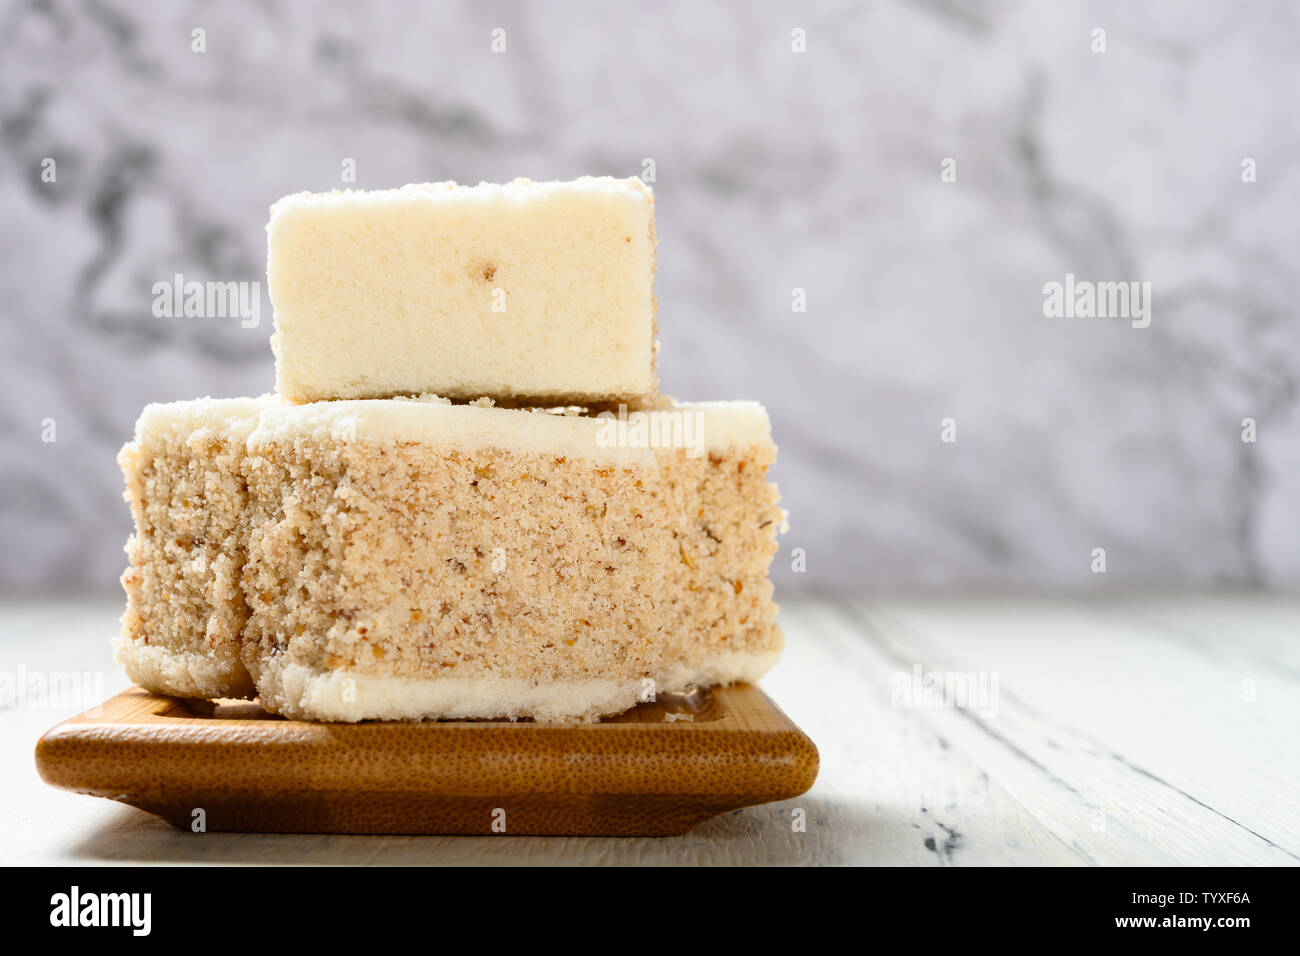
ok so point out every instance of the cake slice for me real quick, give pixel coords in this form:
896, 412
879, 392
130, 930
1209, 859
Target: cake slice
185, 611
407, 559
532, 293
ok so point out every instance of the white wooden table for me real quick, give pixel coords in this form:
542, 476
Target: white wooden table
1116, 731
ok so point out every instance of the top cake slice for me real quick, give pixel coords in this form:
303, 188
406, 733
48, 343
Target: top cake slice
526, 292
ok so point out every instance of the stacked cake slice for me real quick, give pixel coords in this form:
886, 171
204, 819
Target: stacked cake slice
358, 547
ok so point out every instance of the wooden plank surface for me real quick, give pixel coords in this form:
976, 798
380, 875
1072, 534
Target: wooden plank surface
1126, 746
1123, 733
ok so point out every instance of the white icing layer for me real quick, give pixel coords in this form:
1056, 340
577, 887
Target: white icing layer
159, 419
183, 673
516, 191
305, 693
697, 427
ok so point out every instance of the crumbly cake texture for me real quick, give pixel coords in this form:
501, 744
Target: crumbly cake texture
537, 293
407, 559
185, 610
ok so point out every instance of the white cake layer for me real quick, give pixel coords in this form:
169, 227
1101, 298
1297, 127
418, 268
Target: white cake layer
536, 292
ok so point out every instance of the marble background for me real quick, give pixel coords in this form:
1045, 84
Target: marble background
775, 170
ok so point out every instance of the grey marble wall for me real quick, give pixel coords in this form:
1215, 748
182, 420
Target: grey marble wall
776, 170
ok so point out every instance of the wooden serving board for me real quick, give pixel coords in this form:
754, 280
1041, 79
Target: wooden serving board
656, 770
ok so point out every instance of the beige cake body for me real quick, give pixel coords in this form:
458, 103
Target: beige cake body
185, 611
417, 559
538, 293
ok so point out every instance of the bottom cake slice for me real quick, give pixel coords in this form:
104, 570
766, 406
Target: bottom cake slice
406, 559
185, 609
